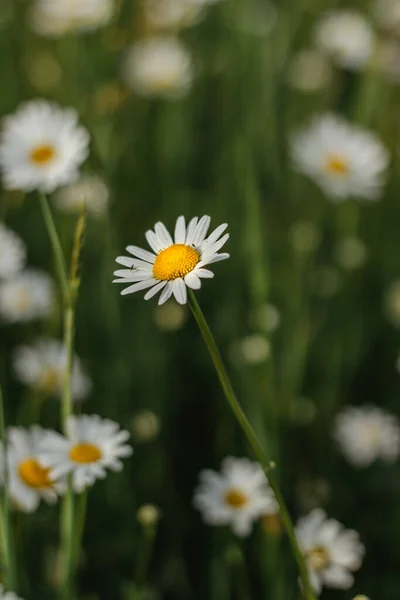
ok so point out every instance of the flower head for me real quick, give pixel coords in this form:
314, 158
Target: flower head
172, 14
55, 19
367, 433
343, 159
237, 496
27, 296
89, 191
12, 252
174, 264
8, 595
331, 551
41, 147
91, 446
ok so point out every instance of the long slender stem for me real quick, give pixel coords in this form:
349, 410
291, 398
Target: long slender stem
6, 534
252, 439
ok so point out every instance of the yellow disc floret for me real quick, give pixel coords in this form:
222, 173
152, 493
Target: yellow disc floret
85, 453
317, 558
235, 498
337, 165
176, 261
42, 155
33, 474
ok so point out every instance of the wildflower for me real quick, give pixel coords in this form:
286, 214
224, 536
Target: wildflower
160, 66
304, 237
267, 317
351, 253
347, 37
253, 349
331, 551
392, 302
170, 316
8, 595
174, 265
55, 19
89, 191
343, 159
27, 296
367, 433
12, 252
145, 426
91, 446
237, 496
42, 366
41, 147
387, 14
28, 479
148, 515
309, 71
172, 14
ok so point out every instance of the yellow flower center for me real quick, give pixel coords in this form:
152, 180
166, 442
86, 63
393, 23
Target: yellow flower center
33, 474
51, 380
176, 261
235, 498
317, 558
337, 165
85, 453
41, 155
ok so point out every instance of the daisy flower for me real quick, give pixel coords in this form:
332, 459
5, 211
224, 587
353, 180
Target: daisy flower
160, 66
8, 595
173, 264
343, 159
54, 19
172, 14
367, 433
237, 496
347, 37
41, 147
387, 14
42, 367
89, 191
91, 446
12, 252
27, 296
28, 479
331, 551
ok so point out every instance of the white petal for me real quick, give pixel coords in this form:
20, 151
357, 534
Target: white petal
125, 261
217, 245
215, 235
163, 234
191, 229
141, 253
180, 230
179, 290
204, 273
214, 259
166, 293
201, 230
153, 241
154, 290
136, 287
193, 281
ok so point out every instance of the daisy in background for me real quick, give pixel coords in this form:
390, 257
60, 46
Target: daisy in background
8, 595
347, 37
387, 14
367, 433
28, 480
54, 19
12, 252
91, 446
343, 159
172, 14
89, 191
42, 147
173, 264
27, 296
237, 496
331, 551
42, 367
160, 66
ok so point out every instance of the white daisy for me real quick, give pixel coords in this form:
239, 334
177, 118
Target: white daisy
28, 479
309, 71
42, 366
392, 302
331, 551
27, 296
172, 14
41, 147
343, 159
367, 433
387, 14
237, 496
92, 445
54, 19
347, 37
351, 253
12, 252
174, 264
89, 191
160, 66
8, 595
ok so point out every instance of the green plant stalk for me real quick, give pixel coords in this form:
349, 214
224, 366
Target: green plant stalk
80, 516
5, 525
253, 441
145, 554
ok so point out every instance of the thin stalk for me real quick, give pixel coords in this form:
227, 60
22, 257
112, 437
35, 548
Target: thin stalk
253, 441
5, 525
79, 526
144, 557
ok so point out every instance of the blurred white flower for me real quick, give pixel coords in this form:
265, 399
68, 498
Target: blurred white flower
237, 496
347, 37
392, 302
170, 316
12, 252
343, 159
42, 366
8, 595
148, 515
42, 147
252, 350
91, 446
267, 317
387, 14
387, 60
27, 296
28, 479
160, 66
145, 426
351, 253
331, 551
304, 237
89, 191
172, 14
367, 433
309, 71
52, 18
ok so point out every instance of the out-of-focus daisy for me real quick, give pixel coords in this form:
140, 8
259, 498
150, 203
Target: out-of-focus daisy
28, 479
331, 551
387, 14
392, 302
42, 366
309, 71
237, 496
351, 253
145, 426
160, 66
172, 14
367, 433
267, 317
92, 445
387, 60
89, 191
174, 264
304, 237
170, 316
27, 296
253, 349
343, 159
8, 595
54, 19
41, 147
12, 252
347, 37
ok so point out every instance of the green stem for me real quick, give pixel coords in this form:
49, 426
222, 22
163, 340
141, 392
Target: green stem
6, 534
253, 441
145, 554
79, 526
